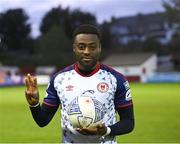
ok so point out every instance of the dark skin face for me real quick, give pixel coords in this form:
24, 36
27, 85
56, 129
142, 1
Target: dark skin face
87, 50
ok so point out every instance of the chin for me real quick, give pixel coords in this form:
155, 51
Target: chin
89, 66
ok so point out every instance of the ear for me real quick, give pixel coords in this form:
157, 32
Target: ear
74, 47
100, 47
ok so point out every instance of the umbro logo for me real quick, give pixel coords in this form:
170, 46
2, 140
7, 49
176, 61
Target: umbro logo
69, 88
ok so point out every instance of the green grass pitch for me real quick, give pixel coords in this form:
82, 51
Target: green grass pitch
157, 116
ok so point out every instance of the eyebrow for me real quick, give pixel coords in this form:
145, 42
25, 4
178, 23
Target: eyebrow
87, 43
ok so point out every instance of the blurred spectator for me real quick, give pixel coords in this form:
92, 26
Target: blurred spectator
16, 78
8, 79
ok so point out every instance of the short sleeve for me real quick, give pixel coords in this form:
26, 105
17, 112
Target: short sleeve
123, 96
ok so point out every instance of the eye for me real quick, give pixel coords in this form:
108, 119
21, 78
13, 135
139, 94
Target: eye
81, 46
93, 46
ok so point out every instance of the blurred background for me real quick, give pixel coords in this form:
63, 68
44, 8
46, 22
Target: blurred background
140, 39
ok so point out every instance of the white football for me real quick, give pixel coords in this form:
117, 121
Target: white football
85, 112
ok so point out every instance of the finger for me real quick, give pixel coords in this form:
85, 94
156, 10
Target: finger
32, 96
28, 76
78, 129
35, 84
27, 83
81, 131
101, 129
99, 126
28, 97
31, 100
31, 83
28, 94
90, 130
27, 80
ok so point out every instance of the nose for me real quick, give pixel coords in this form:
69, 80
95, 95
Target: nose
86, 50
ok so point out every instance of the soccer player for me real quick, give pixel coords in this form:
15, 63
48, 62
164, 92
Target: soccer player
87, 74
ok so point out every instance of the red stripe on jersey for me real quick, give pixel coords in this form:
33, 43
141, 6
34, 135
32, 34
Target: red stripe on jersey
48, 104
125, 105
93, 71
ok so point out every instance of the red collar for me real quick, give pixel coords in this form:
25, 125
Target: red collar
91, 73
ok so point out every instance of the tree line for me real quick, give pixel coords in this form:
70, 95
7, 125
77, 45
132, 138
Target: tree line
54, 45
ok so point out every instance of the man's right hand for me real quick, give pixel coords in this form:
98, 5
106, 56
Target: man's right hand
101, 129
31, 92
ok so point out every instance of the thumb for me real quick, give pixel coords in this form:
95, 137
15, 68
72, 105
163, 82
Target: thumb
100, 125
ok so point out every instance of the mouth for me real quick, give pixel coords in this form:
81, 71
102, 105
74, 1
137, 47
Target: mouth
86, 58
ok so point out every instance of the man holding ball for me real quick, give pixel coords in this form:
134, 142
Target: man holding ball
87, 74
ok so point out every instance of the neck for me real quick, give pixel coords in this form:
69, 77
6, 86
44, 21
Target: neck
87, 72
86, 69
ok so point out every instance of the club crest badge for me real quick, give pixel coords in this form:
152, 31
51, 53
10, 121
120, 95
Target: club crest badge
102, 87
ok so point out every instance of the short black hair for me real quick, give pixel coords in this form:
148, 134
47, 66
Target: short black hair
87, 29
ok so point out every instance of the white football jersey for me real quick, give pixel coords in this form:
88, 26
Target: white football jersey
106, 85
